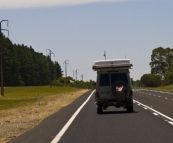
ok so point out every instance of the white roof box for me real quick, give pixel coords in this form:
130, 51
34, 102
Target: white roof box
109, 64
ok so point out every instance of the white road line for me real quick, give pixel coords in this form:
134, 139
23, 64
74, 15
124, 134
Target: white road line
155, 111
166, 98
170, 122
155, 114
159, 96
145, 108
154, 95
158, 91
161, 91
63, 130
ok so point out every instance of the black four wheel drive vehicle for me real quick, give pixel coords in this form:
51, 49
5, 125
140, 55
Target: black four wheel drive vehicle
113, 84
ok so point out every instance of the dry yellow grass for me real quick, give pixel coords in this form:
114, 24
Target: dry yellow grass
14, 122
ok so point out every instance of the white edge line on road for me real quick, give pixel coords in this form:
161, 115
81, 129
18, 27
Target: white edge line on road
63, 130
170, 122
158, 91
155, 114
154, 111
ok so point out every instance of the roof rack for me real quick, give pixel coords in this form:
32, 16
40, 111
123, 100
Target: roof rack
112, 64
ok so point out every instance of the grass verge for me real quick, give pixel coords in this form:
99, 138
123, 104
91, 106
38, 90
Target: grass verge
26, 114
167, 88
25, 96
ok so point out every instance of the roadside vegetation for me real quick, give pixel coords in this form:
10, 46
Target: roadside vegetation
161, 76
22, 111
23, 66
25, 96
167, 88
34, 88
28, 73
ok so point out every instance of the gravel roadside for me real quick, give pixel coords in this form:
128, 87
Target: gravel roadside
15, 122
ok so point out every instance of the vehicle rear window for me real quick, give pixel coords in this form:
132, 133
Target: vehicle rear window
118, 77
104, 80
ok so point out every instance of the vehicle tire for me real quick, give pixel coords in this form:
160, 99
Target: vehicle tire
130, 109
99, 110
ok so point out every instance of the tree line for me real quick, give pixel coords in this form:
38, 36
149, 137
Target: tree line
24, 66
161, 69
69, 81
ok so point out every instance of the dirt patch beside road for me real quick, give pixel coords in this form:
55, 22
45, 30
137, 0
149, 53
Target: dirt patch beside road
14, 122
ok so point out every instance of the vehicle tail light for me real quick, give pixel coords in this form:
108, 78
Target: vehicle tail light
131, 93
97, 95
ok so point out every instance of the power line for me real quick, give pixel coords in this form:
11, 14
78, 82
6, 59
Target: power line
71, 70
76, 71
66, 62
13, 35
82, 76
73, 74
50, 53
1, 51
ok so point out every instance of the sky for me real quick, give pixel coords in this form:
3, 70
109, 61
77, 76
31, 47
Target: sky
81, 30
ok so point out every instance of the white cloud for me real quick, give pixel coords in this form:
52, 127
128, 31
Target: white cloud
8, 4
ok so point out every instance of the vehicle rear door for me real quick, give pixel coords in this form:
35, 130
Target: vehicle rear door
104, 85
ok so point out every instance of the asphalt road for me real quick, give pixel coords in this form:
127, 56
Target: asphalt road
160, 101
113, 126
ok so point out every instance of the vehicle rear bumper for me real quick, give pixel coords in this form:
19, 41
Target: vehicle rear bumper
113, 102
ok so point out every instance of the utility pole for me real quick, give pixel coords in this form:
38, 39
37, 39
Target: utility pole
76, 71
82, 76
51, 76
74, 79
73, 74
1, 52
66, 62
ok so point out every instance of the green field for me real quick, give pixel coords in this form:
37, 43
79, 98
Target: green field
24, 96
